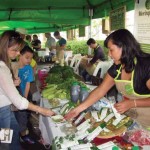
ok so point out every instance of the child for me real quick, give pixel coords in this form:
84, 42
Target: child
26, 75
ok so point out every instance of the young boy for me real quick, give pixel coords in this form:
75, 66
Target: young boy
26, 75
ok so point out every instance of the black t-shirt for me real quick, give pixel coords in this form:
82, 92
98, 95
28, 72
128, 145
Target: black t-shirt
141, 75
35, 43
98, 55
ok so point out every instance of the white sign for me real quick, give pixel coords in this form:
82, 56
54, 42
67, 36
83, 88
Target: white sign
6, 135
142, 21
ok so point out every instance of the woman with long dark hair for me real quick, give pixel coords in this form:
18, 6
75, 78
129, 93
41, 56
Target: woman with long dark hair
10, 46
131, 75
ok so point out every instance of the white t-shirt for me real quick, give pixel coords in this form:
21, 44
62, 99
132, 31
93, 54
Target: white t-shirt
8, 92
50, 42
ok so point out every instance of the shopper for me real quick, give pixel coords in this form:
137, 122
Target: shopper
131, 75
26, 75
10, 45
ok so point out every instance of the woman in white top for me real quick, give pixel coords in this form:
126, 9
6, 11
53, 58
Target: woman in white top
10, 45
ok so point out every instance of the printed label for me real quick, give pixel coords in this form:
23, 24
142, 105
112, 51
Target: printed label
95, 115
79, 118
106, 145
83, 129
117, 115
94, 134
106, 130
82, 135
117, 120
81, 146
103, 113
84, 124
109, 117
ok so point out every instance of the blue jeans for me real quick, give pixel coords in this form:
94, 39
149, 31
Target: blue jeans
8, 120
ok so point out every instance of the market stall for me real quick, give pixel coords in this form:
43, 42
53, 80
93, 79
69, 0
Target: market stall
101, 128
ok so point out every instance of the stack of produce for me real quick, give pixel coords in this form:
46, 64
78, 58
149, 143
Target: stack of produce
59, 81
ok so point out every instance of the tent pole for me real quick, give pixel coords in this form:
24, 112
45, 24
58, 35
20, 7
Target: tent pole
90, 29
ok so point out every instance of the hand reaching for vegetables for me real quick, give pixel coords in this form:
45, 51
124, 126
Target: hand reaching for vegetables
72, 114
46, 112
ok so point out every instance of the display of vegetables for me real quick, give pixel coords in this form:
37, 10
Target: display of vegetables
59, 82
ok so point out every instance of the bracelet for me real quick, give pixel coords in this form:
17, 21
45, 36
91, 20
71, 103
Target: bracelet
135, 105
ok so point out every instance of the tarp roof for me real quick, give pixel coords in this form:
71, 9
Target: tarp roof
39, 16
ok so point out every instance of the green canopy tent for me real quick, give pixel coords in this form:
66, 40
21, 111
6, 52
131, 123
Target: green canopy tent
39, 16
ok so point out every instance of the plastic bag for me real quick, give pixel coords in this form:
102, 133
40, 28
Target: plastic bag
103, 102
140, 137
137, 135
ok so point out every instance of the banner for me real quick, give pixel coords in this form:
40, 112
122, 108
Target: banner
117, 18
142, 21
81, 31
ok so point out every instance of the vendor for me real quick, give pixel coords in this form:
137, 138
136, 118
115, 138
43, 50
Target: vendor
60, 46
130, 73
50, 43
99, 55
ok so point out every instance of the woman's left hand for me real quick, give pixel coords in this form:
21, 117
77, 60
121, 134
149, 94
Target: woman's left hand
123, 106
17, 81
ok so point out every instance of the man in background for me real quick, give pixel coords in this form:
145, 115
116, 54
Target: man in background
60, 46
50, 43
28, 40
98, 56
36, 43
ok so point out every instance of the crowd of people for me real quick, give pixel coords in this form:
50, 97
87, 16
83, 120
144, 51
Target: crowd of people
130, 73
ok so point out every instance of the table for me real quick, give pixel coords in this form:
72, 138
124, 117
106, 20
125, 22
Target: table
49, 129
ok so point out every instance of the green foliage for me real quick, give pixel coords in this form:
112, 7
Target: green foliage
81, 46
59, 82
78, 47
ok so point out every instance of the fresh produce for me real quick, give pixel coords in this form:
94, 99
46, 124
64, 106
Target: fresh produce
54, 102
58, 118
66, 108
59, 81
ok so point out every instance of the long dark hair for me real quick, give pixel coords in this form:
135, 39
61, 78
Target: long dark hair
130, 48
8, 39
